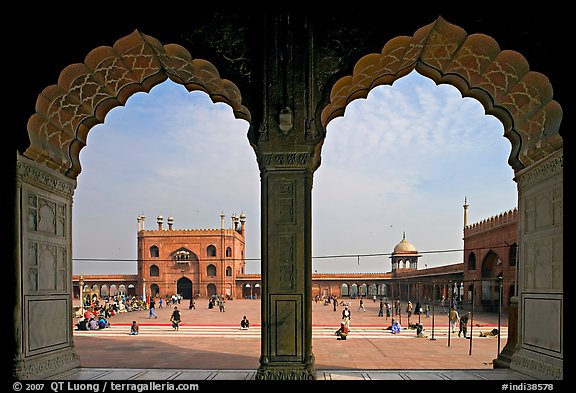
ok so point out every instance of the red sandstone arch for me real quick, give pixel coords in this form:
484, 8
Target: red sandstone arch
86, 92
500, 79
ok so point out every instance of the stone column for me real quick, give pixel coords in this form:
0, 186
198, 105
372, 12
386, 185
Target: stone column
540, 236
286, 181
43, 309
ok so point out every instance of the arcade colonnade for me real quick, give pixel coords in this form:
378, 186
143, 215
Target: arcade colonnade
289, 84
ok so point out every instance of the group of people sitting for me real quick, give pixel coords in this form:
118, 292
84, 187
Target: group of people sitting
89, 322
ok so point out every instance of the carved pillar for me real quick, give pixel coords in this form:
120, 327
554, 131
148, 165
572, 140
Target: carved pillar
286, 267
285, 148
43, 308
540, 232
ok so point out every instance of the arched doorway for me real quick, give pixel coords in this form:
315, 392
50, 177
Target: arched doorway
247, 291
184, 287
211, 290
491, 267
536, 145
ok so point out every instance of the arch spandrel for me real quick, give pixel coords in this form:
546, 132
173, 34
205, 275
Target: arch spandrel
500, 80
87, 91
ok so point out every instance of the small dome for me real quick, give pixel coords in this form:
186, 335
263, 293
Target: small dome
405, 247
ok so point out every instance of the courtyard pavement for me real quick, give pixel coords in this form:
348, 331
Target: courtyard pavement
210, 345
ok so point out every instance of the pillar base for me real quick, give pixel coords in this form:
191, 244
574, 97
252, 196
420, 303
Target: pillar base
45, 366
286, 372
537, 365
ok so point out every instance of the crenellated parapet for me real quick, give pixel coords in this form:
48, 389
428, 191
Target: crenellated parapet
511, 216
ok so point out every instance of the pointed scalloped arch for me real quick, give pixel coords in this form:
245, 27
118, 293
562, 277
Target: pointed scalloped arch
86, 92
499, 79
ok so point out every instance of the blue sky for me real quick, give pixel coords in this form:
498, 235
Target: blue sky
401, 160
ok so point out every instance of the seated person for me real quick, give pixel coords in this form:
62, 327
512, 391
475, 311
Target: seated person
420, 331
244, 323
342, 333
134, 328
82, 325
93, 325
103, 323
396, 328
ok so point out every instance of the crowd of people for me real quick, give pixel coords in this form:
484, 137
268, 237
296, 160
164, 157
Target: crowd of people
98, 311
95, 312
394, 310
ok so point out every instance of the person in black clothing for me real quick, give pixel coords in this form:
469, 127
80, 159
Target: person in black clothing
152, 307
244, 323
175, 318
83, 324
464, 324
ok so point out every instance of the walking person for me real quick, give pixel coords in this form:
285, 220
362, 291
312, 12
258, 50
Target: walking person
335, 301
409, 308
361, 306
152, 306
453, 318
346, 316
175, 318
381, 308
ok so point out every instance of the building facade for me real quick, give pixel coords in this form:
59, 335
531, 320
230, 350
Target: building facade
490, 260
190, 262
206, 262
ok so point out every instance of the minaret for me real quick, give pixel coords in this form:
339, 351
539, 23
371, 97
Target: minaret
223, 220
242, 222
170, 222
465, 213
159, 220
139, 219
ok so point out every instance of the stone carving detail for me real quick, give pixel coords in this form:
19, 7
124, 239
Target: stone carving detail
46, 216
286, 258
35, 369
287, 374
228, 38
41, 177
543, 264
500, 80
290, 159
554, 164
46, 265
542, 369
285, 203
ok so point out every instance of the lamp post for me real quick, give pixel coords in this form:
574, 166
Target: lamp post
81, 283
419, 304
